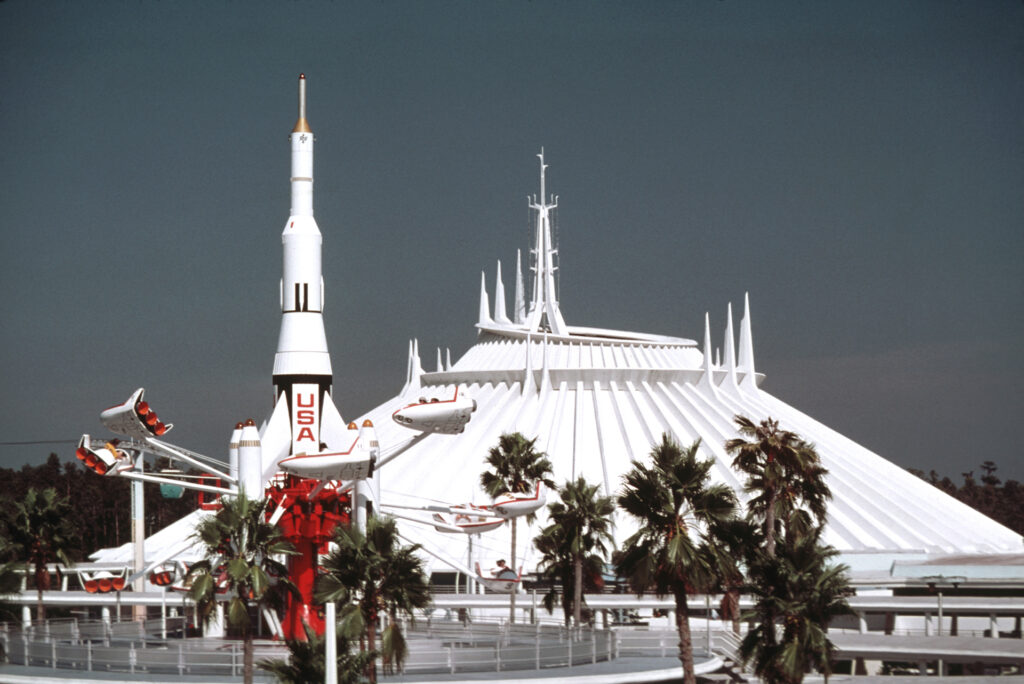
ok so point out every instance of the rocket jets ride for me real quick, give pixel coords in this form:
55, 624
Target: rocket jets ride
305, 419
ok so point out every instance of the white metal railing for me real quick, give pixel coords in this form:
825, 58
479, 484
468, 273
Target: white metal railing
447, 646
917, 632
453, 647
126, 647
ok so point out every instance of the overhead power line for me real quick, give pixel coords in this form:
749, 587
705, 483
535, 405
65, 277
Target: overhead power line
40, 441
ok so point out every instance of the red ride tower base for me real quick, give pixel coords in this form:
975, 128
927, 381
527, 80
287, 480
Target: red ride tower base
309, 525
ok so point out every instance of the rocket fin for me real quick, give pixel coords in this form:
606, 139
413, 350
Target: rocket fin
276, 437
333, 428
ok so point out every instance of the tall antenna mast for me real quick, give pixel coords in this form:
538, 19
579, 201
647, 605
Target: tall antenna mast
544, 314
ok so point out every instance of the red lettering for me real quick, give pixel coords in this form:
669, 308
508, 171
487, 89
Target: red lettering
305, 433
305, 417
298, 400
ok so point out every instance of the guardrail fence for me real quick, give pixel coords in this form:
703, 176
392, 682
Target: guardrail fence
159, 647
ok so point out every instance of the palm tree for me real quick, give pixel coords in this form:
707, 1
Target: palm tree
675, 550
10, 584
307, 662
783, 473
579, 524
737, 537
804, 591
788, 569
41, 529
517, 467
240, 548
372, 574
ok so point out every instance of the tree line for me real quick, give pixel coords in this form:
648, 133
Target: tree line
1001, 501
100, 506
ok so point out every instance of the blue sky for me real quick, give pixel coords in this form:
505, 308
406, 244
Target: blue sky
856, 166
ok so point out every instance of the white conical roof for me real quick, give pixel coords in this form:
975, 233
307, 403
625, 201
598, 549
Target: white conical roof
607, 402
596, 400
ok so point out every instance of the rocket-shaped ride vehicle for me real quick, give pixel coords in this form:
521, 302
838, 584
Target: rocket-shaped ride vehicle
305, 436
305, 419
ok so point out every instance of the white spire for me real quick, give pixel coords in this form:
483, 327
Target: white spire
417, 367
408, 368
544, 313
413, 368
746, 360
499, 299
485, 308
519, 312
707, 379
447, 358
440, 366
730, 349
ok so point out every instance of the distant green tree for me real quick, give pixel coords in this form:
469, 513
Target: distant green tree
517, 467
578, 525
10, 583
41, 529
1001, 501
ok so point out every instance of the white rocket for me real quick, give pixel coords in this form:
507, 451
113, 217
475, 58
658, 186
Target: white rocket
304, 419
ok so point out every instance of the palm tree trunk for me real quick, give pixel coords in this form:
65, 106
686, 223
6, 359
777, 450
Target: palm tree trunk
247, 658
371, 639
685, 638
731, 606
577, 597
512, 596
769, 524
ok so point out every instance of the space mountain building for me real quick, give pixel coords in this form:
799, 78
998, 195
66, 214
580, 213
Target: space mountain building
598, 399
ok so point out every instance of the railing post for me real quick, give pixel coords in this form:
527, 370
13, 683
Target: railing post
53, 655
497, 654
131, 657
451, 661
181, 659
593, 648
569, 641
88, 655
